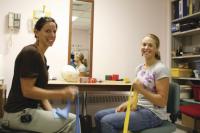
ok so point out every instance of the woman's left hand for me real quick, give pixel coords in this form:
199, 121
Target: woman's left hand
122, 107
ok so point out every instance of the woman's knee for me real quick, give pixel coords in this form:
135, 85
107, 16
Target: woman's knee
106, 120
98, 115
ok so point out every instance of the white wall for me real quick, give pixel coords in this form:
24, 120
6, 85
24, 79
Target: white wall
57, 55
119, 25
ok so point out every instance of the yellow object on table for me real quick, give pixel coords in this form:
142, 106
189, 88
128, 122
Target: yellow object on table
126, 80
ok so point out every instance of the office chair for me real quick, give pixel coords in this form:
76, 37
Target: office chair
172, 108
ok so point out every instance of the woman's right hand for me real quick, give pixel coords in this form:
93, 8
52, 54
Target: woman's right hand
70, 92
121, 108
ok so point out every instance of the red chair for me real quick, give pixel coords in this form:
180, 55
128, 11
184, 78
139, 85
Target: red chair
193, 111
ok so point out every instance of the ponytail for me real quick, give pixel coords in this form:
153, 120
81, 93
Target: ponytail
84, 61
157, 56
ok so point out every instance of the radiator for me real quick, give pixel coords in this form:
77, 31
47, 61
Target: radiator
96, 101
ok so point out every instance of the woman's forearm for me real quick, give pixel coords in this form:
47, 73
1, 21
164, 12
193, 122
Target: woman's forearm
41, 94
156, 99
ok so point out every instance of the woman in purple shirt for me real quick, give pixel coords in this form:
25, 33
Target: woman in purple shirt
152, 84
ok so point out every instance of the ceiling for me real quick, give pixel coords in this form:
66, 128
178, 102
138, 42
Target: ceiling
82, 10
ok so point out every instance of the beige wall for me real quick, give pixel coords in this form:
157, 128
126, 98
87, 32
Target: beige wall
119, 25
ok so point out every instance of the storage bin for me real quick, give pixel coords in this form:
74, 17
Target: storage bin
196, 92
179, 72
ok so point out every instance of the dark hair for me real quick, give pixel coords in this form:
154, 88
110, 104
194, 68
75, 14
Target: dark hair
156, 39
42, 21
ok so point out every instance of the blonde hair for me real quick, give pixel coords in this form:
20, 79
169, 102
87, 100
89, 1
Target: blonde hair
157, 40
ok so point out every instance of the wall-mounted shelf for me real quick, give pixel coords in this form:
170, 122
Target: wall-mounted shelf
186, 56
183, 78
193, 16
186, 33
191, 101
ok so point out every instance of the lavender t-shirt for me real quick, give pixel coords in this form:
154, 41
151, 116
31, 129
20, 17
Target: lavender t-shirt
148, 77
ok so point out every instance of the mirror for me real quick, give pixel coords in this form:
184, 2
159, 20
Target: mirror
81, 34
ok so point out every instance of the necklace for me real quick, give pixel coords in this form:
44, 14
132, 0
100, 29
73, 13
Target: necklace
40, 51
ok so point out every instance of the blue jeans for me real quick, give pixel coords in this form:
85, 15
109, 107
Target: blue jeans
108, 121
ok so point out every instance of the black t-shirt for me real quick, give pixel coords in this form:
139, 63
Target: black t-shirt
28, 64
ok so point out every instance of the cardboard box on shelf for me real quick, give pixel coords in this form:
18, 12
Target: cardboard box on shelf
190, 122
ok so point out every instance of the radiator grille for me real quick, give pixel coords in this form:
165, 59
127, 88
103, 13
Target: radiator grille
105, 99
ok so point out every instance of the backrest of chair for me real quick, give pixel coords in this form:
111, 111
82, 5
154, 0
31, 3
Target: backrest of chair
173, 98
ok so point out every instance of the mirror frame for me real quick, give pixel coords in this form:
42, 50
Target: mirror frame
91, 34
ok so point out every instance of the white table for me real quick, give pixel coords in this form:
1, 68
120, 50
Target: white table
103, 86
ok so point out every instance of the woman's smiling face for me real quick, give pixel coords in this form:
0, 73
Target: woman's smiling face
47, 34
148, 48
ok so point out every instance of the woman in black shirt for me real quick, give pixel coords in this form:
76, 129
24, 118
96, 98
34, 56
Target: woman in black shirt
27, 106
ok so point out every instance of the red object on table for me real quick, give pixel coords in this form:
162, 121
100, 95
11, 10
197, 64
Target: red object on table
115, 77
92, 80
